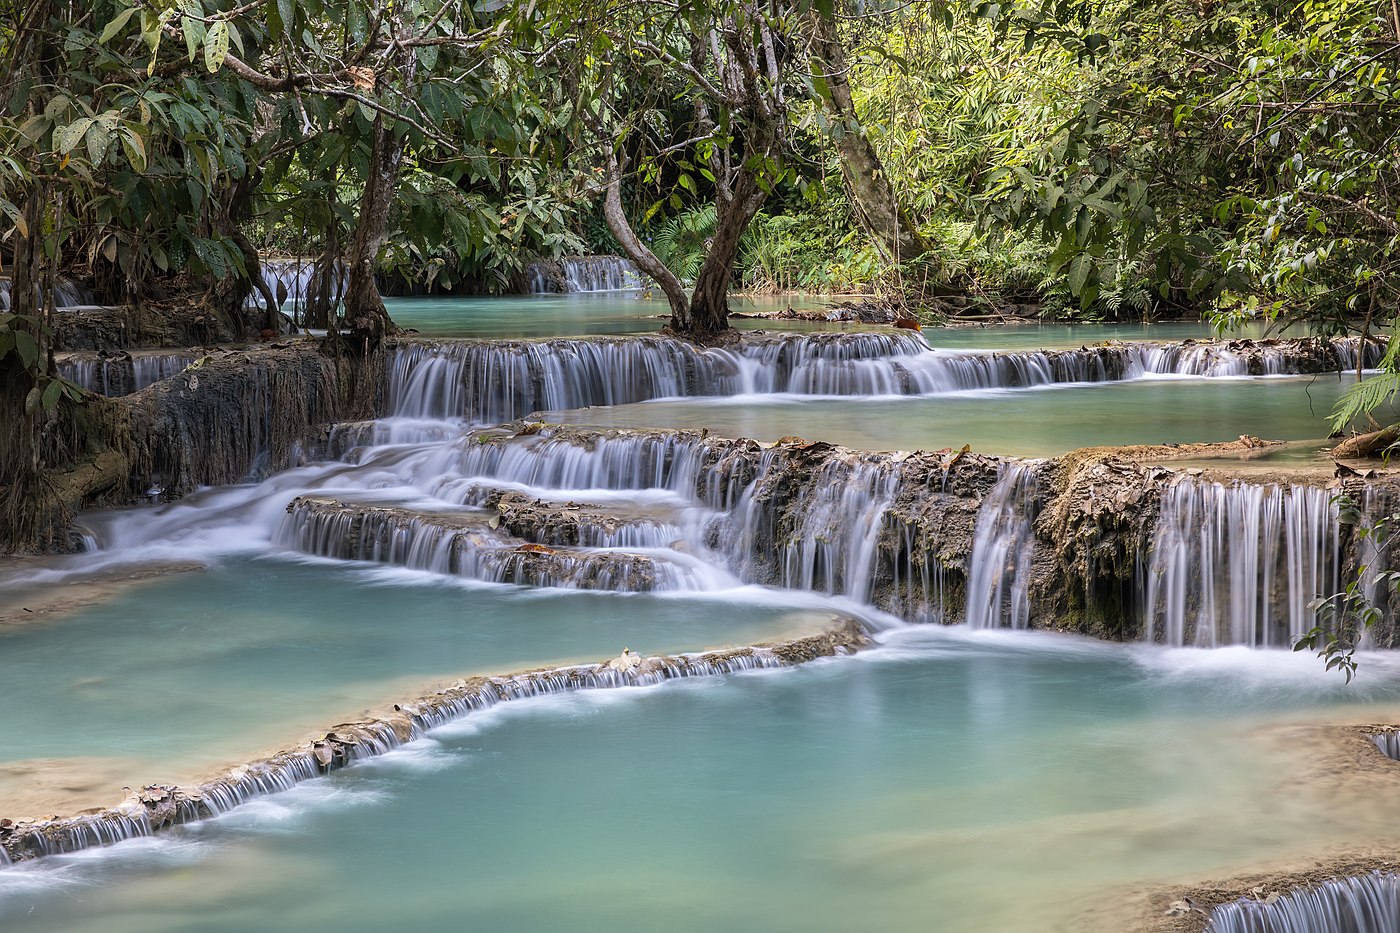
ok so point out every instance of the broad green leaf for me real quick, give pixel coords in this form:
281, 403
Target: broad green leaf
66, 138
216, 46
193, 27
51, 393
27, 347
135, 149
116, 25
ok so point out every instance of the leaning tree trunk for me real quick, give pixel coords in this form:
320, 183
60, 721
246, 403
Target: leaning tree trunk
887, 222
709, 304
639, 252
366, 319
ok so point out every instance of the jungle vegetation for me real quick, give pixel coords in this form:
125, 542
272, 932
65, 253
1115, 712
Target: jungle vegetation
1093, 159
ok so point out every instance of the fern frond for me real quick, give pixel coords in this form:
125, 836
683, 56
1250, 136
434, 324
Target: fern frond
1366, 396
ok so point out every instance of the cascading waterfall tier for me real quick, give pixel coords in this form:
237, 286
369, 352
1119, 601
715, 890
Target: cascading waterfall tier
1003, 551
123, 375
67, 294
584, 274
158, 807
469, 546
497, 381
294, 280
1366, 904
1239, 564
633, 512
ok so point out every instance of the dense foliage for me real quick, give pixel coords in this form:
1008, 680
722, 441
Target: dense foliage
1097, 159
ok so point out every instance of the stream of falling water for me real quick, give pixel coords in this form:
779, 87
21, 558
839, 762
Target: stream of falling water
913, 781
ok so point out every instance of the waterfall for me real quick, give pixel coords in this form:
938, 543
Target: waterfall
1368, 904
1388, 743
672, 511
1239, 564
114, 377
458, 545
67, 294
492, 382
539, 280
827, 536
998, 578
600, 274
296, 280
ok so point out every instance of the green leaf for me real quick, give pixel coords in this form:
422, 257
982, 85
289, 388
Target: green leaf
216, 46
116, 25
66, 138
27, 347
193, 27
12, 211
1079, 270
51, 394
31, 401
135, 149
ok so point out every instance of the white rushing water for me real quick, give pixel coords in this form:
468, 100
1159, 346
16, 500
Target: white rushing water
293, 281
1367, 904
493, 382
998, 580
688, 515
66, 294
586, 274
122, 376
1240, 564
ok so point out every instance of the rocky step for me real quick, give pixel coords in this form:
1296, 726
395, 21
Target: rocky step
122, 373
158, 807
470, 543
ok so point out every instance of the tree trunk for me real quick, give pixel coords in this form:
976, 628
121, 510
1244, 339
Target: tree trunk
884, 219
366, 318
709, 305
638, 252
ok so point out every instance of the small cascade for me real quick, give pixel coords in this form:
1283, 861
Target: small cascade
837, 519
1367, 904
919, 584
296, 280
1375, 548
573, 466
469, 547
67, 294
998, 578
122, 376
1388, 743
1226, 358
1239, 564
538, 280
502, 380
600, 274
490, 383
